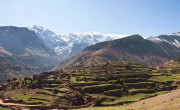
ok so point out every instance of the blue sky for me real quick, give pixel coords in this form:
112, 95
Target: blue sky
145, 17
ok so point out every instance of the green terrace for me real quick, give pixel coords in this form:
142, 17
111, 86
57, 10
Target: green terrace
134, 79
132, 75
100, 88
164, 78
106, 84
129, 98
145, 90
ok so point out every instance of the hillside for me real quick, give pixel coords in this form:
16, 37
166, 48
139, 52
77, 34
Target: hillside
12, 68
19, 46
106, 84
173, 67
132, 48
169, 101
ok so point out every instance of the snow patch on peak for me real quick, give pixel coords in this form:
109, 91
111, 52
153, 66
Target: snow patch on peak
172, 39
70, 44
174, 34
87, 33
176, 43
37, 27
155, 39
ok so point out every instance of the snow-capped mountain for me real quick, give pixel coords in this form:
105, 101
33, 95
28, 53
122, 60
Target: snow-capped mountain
68, 45
173, 39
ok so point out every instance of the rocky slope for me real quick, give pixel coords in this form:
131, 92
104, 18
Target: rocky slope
19, 46
12, 68
132, 48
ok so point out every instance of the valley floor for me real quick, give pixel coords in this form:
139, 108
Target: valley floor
168, 101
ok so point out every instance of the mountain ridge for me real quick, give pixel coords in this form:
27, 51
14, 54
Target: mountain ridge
26, 44
132, 48
68, 45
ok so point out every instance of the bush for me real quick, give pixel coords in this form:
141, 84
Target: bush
9, 80
14, 79
79, 100
68, 77
128, 67
85, 79
55, 91
79, 88
28, 78
98, 101
58, 82
17, 83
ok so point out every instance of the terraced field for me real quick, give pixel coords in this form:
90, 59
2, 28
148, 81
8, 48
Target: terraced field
107, 84
172, 67
168, 101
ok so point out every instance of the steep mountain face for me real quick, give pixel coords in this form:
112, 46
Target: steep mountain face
19, 46
132, 48
13, 68
18, 40
68, 45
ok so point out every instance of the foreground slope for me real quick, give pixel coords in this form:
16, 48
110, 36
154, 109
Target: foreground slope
23, 47
168, 101
106, 84
132, 48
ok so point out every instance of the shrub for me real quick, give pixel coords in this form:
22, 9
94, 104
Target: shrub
85, 79
14, 79
55, 91
98, 101
79, 98
9, 80
128, 67
17, 83
79, 88
28, 78
58, 82
68, 77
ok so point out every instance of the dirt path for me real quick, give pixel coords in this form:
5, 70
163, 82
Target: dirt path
168, 101
14, 104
